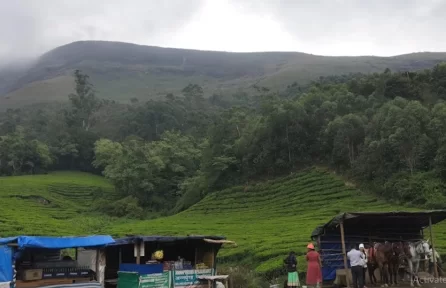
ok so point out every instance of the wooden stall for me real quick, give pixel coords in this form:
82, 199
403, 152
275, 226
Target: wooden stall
184, 260
36, 261
368, 227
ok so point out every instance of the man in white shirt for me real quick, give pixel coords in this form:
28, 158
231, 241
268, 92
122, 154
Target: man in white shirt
357, 266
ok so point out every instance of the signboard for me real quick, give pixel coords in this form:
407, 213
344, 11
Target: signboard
158, 280
187, 278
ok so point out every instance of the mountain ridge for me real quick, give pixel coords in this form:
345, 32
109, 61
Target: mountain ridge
121, 71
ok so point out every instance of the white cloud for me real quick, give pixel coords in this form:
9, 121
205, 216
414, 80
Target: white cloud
220, 26
327, 27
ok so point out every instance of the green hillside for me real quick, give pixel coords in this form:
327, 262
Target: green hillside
122, 71
266, 219
269, 219
54, 204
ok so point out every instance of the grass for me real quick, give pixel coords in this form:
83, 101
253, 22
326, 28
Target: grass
267, 219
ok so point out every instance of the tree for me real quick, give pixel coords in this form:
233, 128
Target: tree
194, 95
149, 171
106, 153
344, 136
18, 155
84, 102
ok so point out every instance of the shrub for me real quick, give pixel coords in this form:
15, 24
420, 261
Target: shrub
126, 207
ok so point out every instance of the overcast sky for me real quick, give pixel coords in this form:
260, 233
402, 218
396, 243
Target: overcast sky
325, 27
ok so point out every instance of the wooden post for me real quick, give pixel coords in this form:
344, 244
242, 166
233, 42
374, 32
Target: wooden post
214, 260
433, 247
138, 252
97, 264
196, 257
425, 267
345, 254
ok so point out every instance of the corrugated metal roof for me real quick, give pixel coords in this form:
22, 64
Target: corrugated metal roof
155, 238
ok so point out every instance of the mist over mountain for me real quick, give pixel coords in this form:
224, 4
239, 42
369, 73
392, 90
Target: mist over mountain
121, 71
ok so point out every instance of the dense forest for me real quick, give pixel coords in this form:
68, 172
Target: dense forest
385, 131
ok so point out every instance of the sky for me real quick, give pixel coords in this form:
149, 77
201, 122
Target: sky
29, 28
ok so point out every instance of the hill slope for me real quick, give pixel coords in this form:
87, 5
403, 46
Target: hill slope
121, 71
269, 219
54, 204
266, 220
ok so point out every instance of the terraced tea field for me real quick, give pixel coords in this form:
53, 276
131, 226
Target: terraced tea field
269, 219
53, 204
266, 219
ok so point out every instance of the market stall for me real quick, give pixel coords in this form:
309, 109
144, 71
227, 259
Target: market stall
162, 261
35, 261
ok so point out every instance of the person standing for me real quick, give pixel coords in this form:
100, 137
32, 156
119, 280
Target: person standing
364, 258
371, 265
314, 273
357, 267
293, 277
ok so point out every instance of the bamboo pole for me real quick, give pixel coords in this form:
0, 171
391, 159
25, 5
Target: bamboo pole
433, 247
345, 253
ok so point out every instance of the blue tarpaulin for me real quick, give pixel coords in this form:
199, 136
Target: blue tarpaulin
332, 257
5, 263
58, 242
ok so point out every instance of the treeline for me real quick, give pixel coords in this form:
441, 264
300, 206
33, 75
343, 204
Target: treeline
385, 130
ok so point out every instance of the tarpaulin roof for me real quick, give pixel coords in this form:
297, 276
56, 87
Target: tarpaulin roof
6, 273
136, 238
399, 220
58, 242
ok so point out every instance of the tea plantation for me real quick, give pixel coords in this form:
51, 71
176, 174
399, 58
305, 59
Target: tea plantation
266, 219
53, 204
269, 219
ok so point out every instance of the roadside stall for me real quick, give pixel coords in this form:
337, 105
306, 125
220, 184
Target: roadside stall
162, 261
36, 261
345, 229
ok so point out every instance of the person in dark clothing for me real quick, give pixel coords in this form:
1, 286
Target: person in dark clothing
291, 264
